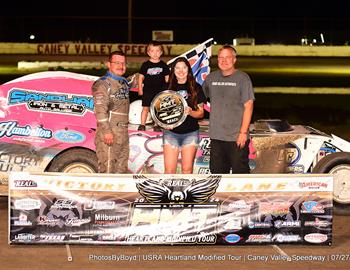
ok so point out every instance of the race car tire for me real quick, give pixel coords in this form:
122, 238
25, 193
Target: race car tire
339, 165
75, 161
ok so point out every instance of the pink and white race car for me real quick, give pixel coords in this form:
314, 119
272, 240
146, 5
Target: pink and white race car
47, 124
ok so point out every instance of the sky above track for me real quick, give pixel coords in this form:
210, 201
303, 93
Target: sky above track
266, 21
178, 8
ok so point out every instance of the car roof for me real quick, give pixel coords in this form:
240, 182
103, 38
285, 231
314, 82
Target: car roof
54, 74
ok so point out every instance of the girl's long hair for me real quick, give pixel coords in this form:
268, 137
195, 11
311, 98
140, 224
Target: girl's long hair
192, 85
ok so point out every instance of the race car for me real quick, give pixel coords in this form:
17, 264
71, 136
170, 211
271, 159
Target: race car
47, 124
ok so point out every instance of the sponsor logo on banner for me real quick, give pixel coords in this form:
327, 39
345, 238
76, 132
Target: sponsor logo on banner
240, 205
77, 222
51, 237
259, 238
312, 207
311, 185
234, 224
25, 183
232, 238
27, 204
316, 238
64, 204
275, 208
99, 205
22, 220
83, 237
286, 238
24, 237
177, 190
317, 223
45, 221
103, 219
110, 237
259, 225
166, 239
287, 224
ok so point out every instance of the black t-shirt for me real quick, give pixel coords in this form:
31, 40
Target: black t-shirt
154, 76
190, 124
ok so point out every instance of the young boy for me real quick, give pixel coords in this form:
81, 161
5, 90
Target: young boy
154, 74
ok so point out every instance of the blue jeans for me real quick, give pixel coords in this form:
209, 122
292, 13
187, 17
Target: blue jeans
180, 140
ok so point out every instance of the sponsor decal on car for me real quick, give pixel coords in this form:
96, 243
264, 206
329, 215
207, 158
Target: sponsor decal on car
69, 136
11, 128
49, 102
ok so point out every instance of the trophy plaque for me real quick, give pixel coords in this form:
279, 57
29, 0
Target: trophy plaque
168, 109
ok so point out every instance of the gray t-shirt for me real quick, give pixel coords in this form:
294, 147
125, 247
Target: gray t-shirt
227, 97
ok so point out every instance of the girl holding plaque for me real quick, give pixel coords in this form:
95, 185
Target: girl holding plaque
185, 137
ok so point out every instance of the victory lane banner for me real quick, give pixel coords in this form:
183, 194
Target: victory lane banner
56, 208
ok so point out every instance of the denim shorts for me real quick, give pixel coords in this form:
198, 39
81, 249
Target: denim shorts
180, 140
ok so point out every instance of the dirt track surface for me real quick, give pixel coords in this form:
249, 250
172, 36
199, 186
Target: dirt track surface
51, 257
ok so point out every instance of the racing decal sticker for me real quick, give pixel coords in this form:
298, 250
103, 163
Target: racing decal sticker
154, 145
63, 103
155, 164
138, 152
23, 157
204, 147
3, 107
17, 158
11, 128
69, 136
293, 154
